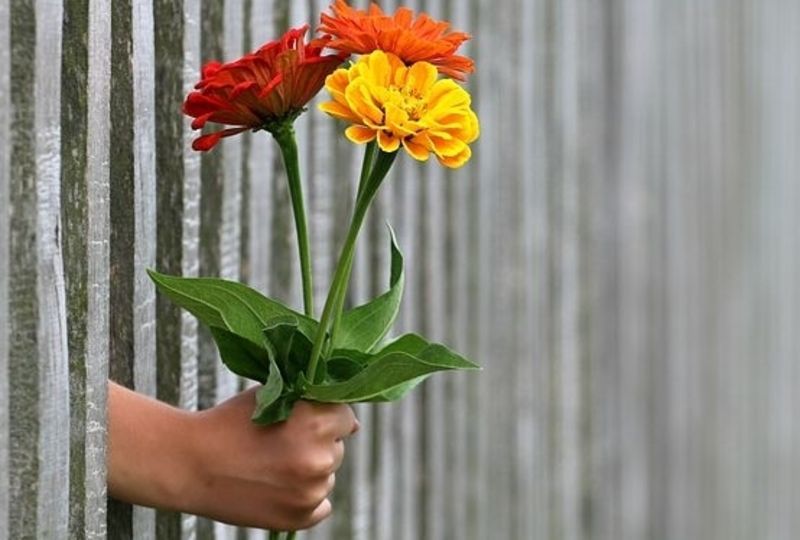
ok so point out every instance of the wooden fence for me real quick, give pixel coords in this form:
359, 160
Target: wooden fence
622, 256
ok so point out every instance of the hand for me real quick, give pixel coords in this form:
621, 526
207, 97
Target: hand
277, 476
218, 464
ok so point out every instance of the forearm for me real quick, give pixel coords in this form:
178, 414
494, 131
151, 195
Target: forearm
220, 465
148, 450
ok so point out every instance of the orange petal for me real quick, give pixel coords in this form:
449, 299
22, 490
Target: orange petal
388, 142
415, 150
359, 134
337, 110
454, 162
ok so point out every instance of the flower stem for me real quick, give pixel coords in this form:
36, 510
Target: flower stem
274, 535
291, 535
366, 171
341, 277
284, 135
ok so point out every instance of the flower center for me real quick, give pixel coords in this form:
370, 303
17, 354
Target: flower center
409, 100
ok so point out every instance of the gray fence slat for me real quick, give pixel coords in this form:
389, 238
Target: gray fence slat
177, 40
97, 345
22, 269
486, 514
53, 406
5, 259
227, 384
133, 234
84, 216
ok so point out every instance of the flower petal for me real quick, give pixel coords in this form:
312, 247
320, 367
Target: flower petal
360, 134
209, 141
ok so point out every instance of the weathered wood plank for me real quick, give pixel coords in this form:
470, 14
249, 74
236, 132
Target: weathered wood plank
54, 405
84, 222
97, 345
177, 42
22, 295
132, 213
5, 258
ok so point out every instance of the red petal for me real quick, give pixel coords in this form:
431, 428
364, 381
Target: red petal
207, 142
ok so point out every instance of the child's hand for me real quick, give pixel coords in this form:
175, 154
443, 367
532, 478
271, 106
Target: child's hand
218, 464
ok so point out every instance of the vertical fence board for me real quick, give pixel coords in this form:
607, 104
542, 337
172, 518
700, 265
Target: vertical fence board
97, 346
177, 41
133, 213
22, 269
84, 216
5, 259
53, 406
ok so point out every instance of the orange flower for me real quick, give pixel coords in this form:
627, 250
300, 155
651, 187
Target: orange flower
413, 40
262, 89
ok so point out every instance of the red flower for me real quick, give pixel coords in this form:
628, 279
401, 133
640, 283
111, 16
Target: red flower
411, 39
262, 89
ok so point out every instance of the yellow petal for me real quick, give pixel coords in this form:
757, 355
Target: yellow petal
337, 110
454, 162
421, 77
447, 147
359, 134
415, 150
447, 95
360, 101
336, 82
388, 142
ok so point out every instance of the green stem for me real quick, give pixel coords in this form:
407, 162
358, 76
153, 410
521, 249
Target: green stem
284, 135
341, 277
274, 535
291, 535
366, 172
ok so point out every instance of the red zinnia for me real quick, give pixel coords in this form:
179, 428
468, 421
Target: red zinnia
412, 40
262, 89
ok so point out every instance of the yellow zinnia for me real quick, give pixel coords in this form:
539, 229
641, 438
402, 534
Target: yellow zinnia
398, 104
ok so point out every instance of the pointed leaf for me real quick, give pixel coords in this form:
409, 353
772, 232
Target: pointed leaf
390, 373
241, 355
363, 327
268, 395
228, 305
291, 348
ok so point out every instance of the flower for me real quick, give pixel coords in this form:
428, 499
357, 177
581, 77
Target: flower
413, 40
262, 89
396, 104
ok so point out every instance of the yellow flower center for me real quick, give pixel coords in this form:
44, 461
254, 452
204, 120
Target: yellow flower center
408, 100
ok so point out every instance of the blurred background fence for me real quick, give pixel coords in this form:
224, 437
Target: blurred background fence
622, 256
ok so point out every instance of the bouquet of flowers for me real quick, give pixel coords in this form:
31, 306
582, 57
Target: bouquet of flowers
401, 93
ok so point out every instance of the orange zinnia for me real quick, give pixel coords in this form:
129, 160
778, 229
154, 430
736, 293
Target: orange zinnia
412, 40
262, 89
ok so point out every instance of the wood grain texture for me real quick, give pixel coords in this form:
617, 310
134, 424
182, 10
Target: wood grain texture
5, 257
23, 265
97, 345
84, 222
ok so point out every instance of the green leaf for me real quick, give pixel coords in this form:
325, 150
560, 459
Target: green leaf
390, 373
234, 307
363, 327
268, 395
290, 347
241, 355
344, 365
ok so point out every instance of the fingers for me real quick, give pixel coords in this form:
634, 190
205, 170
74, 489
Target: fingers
344, 422
328, 421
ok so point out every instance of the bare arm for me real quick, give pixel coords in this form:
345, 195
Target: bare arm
217, 464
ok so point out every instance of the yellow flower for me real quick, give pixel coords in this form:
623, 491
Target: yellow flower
384, 98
